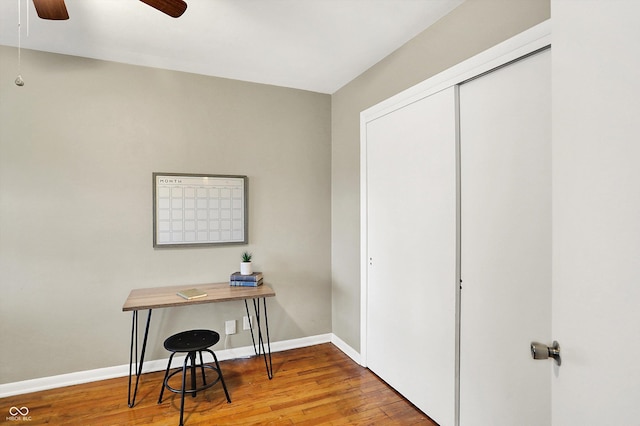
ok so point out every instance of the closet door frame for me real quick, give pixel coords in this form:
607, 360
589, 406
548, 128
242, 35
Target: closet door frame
523, 44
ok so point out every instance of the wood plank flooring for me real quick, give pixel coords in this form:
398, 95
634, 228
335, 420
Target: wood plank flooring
311, 386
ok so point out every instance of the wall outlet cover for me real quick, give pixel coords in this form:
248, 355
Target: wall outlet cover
246, 323
230, 327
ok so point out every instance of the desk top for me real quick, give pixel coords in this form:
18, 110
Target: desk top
164, 297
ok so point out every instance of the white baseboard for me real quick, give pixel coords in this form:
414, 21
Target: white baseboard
348, 350
52, 382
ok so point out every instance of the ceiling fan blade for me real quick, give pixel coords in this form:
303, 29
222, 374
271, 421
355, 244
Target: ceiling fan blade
51, 9
173, 8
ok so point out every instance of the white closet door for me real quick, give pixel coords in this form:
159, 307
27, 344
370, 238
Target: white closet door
411, 247
505, 148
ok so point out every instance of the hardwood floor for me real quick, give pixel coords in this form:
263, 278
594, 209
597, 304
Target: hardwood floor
311, 386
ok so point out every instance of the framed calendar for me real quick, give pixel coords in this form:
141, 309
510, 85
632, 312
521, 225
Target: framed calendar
199, 209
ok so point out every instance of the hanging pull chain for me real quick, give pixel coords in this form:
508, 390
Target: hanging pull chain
19, 81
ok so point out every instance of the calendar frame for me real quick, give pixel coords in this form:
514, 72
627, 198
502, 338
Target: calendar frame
165, 210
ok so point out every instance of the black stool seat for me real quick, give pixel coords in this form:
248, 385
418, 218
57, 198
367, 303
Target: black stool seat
192, 342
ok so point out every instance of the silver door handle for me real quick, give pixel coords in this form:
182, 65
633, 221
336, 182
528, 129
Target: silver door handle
542, 351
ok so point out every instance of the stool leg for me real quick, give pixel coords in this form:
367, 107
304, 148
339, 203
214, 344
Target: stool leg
224, 386
193, 372
204, 379
184, 384
164, 381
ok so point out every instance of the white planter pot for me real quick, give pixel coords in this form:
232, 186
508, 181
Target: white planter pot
245, 268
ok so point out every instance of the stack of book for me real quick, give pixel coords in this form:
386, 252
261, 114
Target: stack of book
239, 280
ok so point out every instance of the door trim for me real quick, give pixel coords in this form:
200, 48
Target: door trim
523, 44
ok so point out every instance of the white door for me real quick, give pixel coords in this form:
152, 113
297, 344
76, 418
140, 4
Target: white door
411, 250
505, 149
596, 204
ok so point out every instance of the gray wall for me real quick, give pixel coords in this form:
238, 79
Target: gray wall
78, 145
474, 26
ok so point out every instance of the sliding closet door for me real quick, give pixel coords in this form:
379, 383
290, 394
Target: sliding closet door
411, 252
505, 148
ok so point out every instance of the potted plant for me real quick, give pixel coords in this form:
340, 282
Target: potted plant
245, 265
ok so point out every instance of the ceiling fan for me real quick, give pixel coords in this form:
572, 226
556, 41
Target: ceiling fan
56, 9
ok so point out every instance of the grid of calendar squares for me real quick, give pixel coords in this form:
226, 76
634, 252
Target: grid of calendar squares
196, 214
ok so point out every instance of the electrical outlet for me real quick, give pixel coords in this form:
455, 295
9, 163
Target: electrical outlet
230, 327
246, 322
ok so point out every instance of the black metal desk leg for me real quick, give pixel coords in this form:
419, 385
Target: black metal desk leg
268, 364
253, 340
134, 336
266, 326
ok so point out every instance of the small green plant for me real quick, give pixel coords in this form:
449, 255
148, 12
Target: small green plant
246, 256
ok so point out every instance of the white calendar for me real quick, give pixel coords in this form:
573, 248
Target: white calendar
194, 209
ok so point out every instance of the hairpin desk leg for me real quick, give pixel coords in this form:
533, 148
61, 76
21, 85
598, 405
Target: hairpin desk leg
253, 340
134, 337
266, 327
259, 347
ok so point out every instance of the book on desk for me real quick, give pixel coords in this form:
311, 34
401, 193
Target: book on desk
192, 293
238, 280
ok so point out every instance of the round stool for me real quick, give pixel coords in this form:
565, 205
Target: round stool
192, 342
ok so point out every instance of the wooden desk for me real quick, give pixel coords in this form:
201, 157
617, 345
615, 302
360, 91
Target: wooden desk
166, 297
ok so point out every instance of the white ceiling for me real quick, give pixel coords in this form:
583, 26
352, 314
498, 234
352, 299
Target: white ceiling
317, 45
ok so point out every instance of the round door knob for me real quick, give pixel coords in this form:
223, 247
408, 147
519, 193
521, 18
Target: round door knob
542, 351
